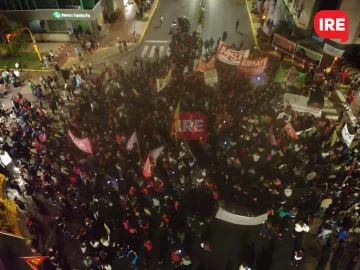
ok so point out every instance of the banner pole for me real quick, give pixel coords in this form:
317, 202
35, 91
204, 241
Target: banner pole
137, 143
14, 235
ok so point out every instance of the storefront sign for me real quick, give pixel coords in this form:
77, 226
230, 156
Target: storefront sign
59, 15
332, 50
229, 56
253, 66
284, 44
308, 55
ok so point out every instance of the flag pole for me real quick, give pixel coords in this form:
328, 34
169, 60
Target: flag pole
137, 143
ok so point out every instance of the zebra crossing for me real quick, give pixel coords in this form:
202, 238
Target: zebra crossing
329, 110
150, 46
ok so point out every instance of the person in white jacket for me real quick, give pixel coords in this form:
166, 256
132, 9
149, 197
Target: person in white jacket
244, 267
299, 228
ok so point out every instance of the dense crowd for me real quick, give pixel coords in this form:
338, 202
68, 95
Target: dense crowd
119, 217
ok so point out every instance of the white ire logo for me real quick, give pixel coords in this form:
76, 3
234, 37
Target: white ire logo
327, 24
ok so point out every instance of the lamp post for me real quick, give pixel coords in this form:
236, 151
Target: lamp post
335, 59
33, 40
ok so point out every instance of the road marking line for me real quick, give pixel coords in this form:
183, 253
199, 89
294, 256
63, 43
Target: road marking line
331, 117
161, 50
325, 110
157, 41
144, 51
152, 52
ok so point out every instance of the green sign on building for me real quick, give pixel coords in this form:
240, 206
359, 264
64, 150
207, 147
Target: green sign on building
57, 15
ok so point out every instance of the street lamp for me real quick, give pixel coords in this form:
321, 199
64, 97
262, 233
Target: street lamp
333, 63
32, 38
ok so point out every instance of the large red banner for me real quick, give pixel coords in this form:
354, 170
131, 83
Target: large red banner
82, 144
230, 56
253, 66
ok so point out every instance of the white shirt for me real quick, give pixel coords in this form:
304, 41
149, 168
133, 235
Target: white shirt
301, 228
288, 192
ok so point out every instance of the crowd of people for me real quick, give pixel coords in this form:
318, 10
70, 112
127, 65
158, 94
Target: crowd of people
117, 216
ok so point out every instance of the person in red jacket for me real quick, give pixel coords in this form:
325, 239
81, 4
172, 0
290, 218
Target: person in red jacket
350, 99
176, 258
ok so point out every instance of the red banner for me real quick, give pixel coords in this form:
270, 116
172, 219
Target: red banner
34, 262
82, 144
291, 131
206, 66
147, 168
253, 66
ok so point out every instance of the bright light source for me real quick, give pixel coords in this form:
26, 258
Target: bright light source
258, 78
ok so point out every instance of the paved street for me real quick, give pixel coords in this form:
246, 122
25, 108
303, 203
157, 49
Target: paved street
219, 16
222, 15
154, 36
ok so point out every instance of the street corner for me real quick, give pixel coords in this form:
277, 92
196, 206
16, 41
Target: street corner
67, 52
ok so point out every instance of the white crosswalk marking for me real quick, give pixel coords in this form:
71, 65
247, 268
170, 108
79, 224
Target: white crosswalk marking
152, 52
161, 50
149, 50
329, 110
144, 51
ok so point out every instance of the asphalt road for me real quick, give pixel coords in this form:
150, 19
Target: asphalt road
157, 35
222, 15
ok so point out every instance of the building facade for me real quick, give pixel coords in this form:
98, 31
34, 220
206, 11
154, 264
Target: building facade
299, 15
51, 20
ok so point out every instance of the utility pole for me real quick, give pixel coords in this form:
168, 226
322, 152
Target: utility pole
33, 41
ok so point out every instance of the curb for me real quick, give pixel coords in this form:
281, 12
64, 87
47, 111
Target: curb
37, 70
140, 39
252, 25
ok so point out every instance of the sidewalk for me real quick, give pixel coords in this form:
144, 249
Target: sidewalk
99, 58
123, 28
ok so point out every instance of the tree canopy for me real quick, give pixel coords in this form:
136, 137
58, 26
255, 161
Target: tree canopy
17, 43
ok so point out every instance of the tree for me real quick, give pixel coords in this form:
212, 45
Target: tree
16, 43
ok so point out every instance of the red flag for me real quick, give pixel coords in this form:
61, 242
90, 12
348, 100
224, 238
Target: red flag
34, 262
118, 139
82, 144
272, 137
291, 131
147, 168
